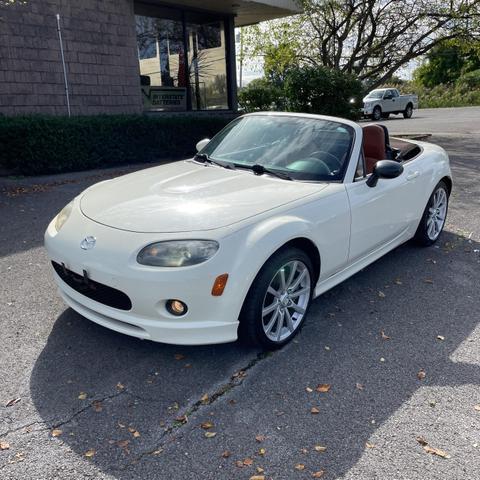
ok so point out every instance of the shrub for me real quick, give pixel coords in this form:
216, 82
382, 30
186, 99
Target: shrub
35, 145
469, 80
260, 95
323, 91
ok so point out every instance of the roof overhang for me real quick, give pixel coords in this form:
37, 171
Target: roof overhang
247, 12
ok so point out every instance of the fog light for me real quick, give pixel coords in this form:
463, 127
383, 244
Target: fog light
176, 307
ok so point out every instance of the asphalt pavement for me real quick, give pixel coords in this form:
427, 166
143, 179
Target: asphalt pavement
398, 344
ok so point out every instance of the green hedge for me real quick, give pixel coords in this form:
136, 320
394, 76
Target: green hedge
34, 145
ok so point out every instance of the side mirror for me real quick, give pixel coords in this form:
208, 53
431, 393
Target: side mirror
202, 144
384, 169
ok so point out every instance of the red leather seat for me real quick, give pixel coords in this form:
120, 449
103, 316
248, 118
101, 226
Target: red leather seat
374, 146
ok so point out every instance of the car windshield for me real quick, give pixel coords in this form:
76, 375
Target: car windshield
376, 94
299, 148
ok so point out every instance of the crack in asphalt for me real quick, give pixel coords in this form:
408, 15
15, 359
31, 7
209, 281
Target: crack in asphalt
52, 424
235, 381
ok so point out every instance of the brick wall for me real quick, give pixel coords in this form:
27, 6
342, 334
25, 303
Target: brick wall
100, 52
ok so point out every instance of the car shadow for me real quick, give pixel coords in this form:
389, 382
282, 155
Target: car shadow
101, 387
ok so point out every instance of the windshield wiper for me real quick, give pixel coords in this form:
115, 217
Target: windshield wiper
205, 158
261, 170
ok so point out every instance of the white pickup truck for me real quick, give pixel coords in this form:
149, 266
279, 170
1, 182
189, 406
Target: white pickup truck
380, 103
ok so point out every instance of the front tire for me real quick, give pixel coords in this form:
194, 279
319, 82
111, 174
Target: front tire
278, 300
408, 112
434, 216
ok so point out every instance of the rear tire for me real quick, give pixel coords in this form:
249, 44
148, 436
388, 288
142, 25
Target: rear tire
377, 113
434, 216
278, 300
408, 112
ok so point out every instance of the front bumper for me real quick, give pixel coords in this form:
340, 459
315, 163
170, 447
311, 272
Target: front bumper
113, 263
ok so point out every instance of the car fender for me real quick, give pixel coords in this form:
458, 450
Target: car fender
255, 245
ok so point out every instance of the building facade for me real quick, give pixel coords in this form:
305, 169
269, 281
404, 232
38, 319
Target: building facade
123, 56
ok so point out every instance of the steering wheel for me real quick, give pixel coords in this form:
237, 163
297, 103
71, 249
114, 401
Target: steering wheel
328, 158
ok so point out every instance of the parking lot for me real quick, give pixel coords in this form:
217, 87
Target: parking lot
398, 343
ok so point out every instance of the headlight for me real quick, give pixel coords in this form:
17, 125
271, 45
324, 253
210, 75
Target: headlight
62, 217
177, 253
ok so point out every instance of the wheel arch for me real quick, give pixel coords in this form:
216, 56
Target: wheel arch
448, 182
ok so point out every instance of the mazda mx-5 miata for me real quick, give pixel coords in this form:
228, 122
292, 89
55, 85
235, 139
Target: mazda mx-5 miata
236, 242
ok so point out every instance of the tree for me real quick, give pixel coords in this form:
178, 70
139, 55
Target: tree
447, 62
370, 38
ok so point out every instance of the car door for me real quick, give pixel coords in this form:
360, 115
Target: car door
381, 214
388, 102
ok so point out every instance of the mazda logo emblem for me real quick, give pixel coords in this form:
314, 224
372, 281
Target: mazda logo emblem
88, 243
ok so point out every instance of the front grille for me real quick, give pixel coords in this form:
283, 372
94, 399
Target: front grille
95, 291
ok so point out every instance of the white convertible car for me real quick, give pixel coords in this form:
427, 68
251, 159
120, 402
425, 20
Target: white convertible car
273, 211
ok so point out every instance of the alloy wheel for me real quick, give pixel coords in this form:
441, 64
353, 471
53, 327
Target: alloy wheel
437, 213
286, 301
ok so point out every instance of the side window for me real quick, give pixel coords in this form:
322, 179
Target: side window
360, 171
395, 93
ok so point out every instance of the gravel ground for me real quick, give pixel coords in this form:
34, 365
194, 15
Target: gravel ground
96, 404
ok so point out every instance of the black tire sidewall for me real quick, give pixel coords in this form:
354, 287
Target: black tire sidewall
379, 116
250, 328
406, 113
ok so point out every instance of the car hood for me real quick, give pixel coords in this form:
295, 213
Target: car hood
186, 196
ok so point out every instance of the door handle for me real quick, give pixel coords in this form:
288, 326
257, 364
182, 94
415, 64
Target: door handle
412, 175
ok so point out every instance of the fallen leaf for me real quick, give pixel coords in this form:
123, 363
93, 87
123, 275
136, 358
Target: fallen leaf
120, 386
359, 386
121, 425
318, 474
181, 419
257, 477
323, 387
398, 281
56, 432
304, 450
440, 337
384, 337
206, 425
369, 445
327, 348
136, 434
4, 445
248, 462
210, 434
421, 374
309, 390
226, 454
179, 356
260, 470
260, 438
422, 441
12, 402
123, 443
314, 410
262, 452
239, 464
300, 466
82, 396
428, 280
97, 406
157, 452
319, 448
204, 399
436, 451
381, 294
477, 408
89, 453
